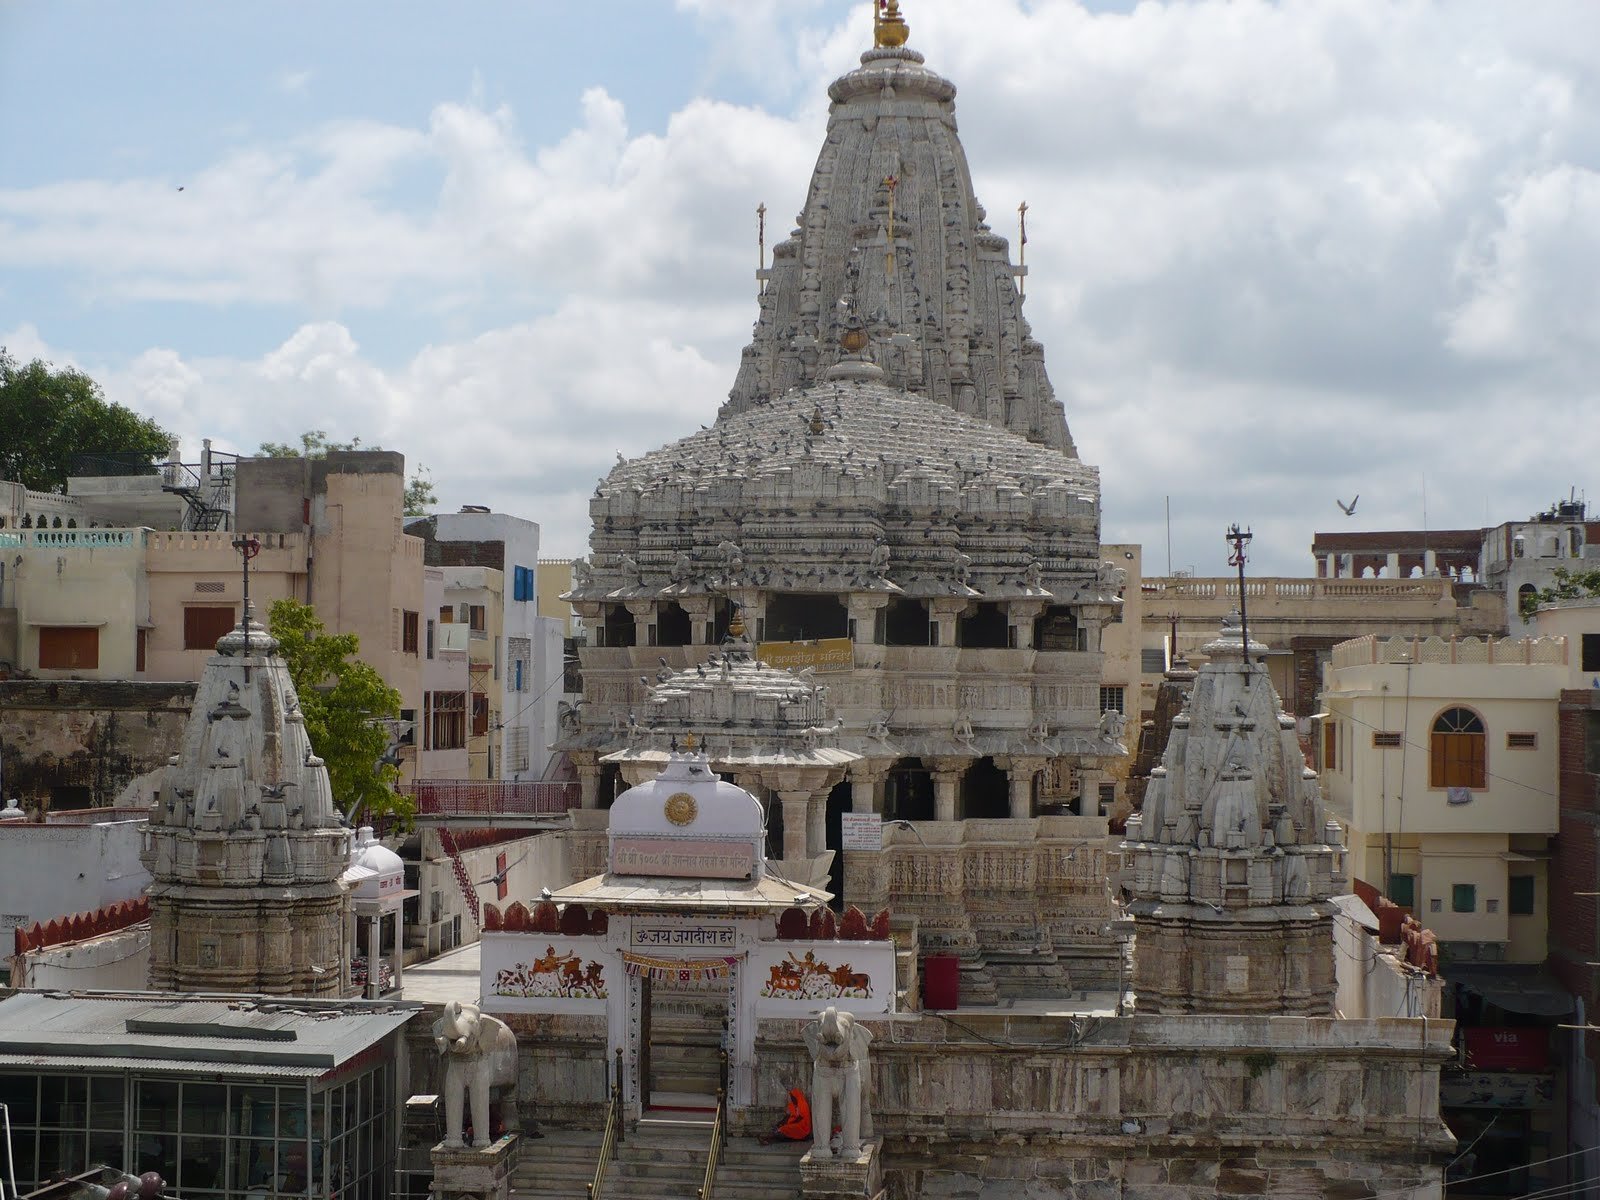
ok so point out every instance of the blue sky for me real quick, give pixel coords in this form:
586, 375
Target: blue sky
1279, 252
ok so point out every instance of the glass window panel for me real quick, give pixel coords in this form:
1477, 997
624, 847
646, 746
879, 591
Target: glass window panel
336, 1112
158, 1105
205, 1108
201, 1163
291, 1113
253, 1111
62, 1150
105, 1149
253, 1163
292, 1166
25, 1157
106, 1095
156, 1152
61, 1100
20, 1095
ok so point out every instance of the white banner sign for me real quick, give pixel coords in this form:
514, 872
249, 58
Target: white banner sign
861, 831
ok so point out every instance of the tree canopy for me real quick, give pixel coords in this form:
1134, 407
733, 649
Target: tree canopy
315, 443
50, 416
1569, 585
347, 707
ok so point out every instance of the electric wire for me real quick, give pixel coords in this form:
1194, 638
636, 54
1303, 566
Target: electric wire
1407, 1191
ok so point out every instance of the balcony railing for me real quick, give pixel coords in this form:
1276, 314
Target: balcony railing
475, 799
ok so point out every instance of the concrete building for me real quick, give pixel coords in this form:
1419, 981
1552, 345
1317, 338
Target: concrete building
491, 578
69, 862
1439, 756
440, 735
1300, 620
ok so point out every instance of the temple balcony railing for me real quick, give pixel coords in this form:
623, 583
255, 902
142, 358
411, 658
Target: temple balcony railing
490, 802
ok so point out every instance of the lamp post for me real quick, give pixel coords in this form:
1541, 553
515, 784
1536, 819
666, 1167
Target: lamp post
1239, 539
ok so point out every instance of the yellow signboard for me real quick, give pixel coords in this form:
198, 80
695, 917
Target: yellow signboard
825, 654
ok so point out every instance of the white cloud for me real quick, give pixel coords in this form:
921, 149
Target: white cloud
1278, 253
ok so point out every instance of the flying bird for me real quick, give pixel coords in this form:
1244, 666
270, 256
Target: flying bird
1348, 509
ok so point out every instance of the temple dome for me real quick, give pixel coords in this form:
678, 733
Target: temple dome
714, 809
388, 872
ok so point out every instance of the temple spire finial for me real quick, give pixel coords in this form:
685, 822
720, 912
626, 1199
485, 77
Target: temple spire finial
889, 28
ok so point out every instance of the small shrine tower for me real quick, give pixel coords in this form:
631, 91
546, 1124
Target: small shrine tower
1232, 862
244, 841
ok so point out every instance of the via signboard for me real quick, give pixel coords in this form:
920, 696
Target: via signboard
824, 654
861, 831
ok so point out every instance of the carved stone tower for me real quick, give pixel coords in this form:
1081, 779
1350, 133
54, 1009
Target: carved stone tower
244, 841
1232, 861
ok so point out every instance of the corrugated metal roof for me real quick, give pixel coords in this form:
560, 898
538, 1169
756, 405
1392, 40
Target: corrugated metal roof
263, 1031
212, 1068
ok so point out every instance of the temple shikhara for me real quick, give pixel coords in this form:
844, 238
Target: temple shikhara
891, 504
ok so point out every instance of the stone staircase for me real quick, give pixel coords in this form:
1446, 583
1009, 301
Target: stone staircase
661, 1159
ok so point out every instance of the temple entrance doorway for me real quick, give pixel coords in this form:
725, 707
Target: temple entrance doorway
682, 1031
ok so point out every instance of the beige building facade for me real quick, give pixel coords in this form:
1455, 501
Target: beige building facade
1440, 756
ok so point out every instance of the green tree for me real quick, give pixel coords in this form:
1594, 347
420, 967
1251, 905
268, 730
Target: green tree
48, 417
346, 705
420, 497
1569, 585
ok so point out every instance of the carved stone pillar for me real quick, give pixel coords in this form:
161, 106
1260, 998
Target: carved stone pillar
1021, 773
864, 613
867, 780
795, 824
588, 783
816, 823
944, 612
644, 615
698, 609
947, 774
1022, 614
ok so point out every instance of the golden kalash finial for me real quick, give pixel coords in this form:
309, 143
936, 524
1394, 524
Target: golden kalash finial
889, 28
736, 624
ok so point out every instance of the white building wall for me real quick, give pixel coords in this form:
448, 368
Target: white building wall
537, 861
115, 962
521, 722
49, 871
549, 667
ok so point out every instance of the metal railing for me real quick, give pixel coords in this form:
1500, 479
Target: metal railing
613, 1135
492, 798
719, 1134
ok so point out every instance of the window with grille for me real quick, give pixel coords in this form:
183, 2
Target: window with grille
408, 632
517, 748
204, 625
1457, 751
1522, 741
447, 720
1383, 739
1111, 698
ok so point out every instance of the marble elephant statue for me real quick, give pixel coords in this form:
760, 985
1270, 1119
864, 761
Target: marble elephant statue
840, 1074
480, 1053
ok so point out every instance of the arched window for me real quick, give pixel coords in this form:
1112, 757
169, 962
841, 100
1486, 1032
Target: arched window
1457, 750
